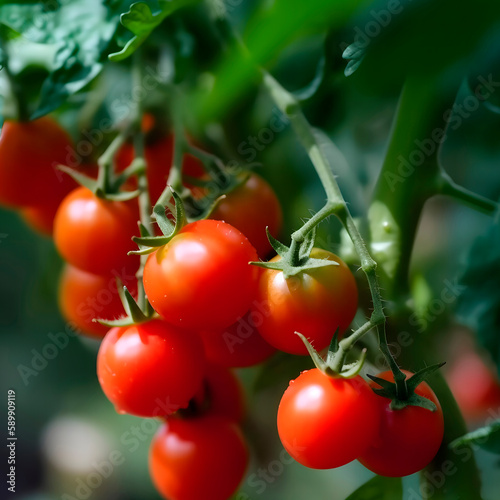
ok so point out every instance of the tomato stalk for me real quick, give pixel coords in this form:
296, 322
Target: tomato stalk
142, 179
421, 112
335, 205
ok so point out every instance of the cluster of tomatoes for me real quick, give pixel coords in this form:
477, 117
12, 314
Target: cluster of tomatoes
213, 311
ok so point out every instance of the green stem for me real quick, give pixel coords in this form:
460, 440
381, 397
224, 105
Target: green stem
448, 187
20, 103
335, 205
144, 199
399, 198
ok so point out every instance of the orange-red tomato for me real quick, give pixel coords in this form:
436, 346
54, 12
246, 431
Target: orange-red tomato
251, 208
95, 235
314, 303
475, 386
29, 155
151, 369
202, 278
195, 458
239, 345
41, 219
408, 439
327, 422
84, 297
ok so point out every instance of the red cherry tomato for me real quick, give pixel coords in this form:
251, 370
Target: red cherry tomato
475, 386
325, 422
408, 439
95, 234
29, 155
196, 458
84, 297
314, 303
151, 369
239, 345
41, 219
222, 394
202, 278
251, 208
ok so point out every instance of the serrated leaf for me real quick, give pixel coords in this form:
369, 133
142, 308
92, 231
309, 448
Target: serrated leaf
80, 31
478, 303
141, 21
487, 438
379, 488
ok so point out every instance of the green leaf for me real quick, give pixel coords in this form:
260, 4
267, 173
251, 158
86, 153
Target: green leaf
478, 304
487, 438
80, 31
379, 488
141, 21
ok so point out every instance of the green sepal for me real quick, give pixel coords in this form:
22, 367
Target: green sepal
389, 390
121, 195
133, 313
278, 247
150, 243
286, 264
80, 178
334, 346
348, 371
94, 186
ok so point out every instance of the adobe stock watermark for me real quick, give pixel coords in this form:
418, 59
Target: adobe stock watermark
437, 306
263, 477
88, 309
102, 470
453, 118
121, 109
253, 144
131, 440
380, 19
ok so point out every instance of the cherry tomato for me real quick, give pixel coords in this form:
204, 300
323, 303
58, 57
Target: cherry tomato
314, 303
475, 386
222, 393
84, 297
237, 346
41, 219
325, 422
29, 155
408, 439
95, 234
150, 369
203, 457
202, 278
251, 208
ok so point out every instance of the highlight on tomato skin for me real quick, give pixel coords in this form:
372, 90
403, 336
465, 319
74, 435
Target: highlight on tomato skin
200, 457
85, 297
151, 369
408, 439
202, 279
326, 422
315, 303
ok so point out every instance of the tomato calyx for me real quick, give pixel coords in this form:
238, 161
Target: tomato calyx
134, 313
402, 393
295, 259
108, 184
327, 366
